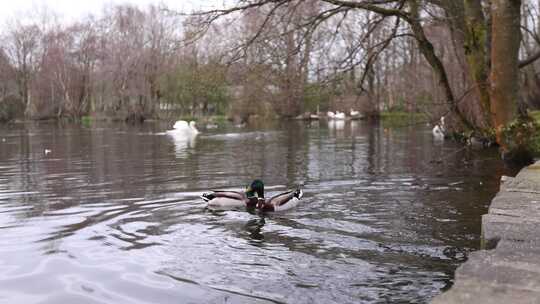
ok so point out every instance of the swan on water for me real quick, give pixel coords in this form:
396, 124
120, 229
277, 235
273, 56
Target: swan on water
184, 126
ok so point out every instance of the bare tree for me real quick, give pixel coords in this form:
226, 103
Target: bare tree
22, 48
479, 28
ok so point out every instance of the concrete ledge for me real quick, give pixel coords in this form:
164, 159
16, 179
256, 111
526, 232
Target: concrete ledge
476, 291
510, 273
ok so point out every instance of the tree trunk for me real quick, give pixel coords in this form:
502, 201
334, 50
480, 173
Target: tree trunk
476, 52
506, 39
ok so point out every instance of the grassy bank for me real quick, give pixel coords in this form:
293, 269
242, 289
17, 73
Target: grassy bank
536, 116
396, 119
217, 119
536, 139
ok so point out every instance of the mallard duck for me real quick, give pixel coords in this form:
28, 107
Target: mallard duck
235, 199
280, 202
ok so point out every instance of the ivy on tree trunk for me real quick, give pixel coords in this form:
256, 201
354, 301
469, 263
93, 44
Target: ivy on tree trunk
504, 86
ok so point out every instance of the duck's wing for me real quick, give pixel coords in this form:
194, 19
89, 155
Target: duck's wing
280, 199
235, 195
283, 201
283, 198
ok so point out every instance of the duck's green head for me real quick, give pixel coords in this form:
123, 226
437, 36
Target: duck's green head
255, 189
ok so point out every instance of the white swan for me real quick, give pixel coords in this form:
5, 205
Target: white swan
354, 113
438, 133
438, 130
340, 115
337, 115
183, 126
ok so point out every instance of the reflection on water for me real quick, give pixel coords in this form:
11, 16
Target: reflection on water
112, 214
182, 142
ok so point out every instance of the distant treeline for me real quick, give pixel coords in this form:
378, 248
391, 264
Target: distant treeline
282, 61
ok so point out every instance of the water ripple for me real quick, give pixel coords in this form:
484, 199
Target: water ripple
113, 215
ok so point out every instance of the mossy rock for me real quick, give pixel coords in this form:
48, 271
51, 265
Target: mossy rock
521, 141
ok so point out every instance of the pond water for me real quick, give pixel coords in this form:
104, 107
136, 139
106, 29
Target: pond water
111, 214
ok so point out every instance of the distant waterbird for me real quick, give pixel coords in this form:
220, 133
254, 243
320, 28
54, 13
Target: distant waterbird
184, 126
337, 115
340, 115
330, 114
438, 133
183, 131
439, 130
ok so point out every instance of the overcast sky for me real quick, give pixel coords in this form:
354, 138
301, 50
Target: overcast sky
72, 9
